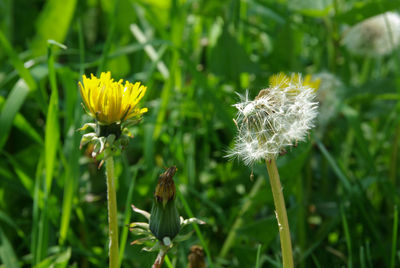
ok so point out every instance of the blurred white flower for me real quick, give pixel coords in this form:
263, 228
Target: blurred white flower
330, 95
375, 36
279, 116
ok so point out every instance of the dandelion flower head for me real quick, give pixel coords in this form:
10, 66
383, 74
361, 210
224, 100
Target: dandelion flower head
279, 116
375, 36
111, 102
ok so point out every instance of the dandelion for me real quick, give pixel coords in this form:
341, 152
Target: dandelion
280, 116
375, 36
114, 106
111, 102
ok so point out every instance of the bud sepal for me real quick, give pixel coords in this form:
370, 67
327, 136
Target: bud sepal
164, 220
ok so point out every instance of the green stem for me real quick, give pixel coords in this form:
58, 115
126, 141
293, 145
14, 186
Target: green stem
112, 213
281, 215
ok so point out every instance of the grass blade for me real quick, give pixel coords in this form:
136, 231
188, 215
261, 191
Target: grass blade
71, 153
18, 93
258, 261
362, 257
35, 212
230, 239
196, 228
52, 135
22, 124
394, 237
128, 202
53, 23
343, 179
7, 253
17, 63
348, 238
13, 103
110, 36
151, 52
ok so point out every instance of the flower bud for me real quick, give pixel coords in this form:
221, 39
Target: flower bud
196, 257
164, 219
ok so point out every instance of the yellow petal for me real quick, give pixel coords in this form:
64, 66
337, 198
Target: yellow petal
109, 101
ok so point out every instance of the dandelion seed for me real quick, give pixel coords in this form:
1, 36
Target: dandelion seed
279, 116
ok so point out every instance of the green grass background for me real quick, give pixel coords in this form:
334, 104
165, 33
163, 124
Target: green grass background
341, 186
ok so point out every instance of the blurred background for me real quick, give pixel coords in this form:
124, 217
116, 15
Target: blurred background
341, 185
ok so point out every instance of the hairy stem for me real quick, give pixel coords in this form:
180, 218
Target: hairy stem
160, 259
112, 213
281, 215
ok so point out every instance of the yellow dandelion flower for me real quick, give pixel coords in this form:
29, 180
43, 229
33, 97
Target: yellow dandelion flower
281, 80
309, 82
109, 101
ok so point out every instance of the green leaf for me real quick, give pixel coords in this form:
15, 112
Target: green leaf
59, 260
53, 23
363, 10
7, 253
22, 124
228, 58
13, 103
17, 63
312, 8
73, 112
264, 230
52, 134
150, 51
25, 179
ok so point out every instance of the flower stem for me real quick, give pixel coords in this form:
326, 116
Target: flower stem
112, 213
160, 259
281, 215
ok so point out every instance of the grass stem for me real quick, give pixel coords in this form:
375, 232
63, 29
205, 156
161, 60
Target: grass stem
231, 238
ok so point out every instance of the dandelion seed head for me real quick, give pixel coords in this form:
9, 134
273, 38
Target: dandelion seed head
375, 36
279, 116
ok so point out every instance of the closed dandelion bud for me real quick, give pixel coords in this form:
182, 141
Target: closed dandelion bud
164, 219
196, 257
